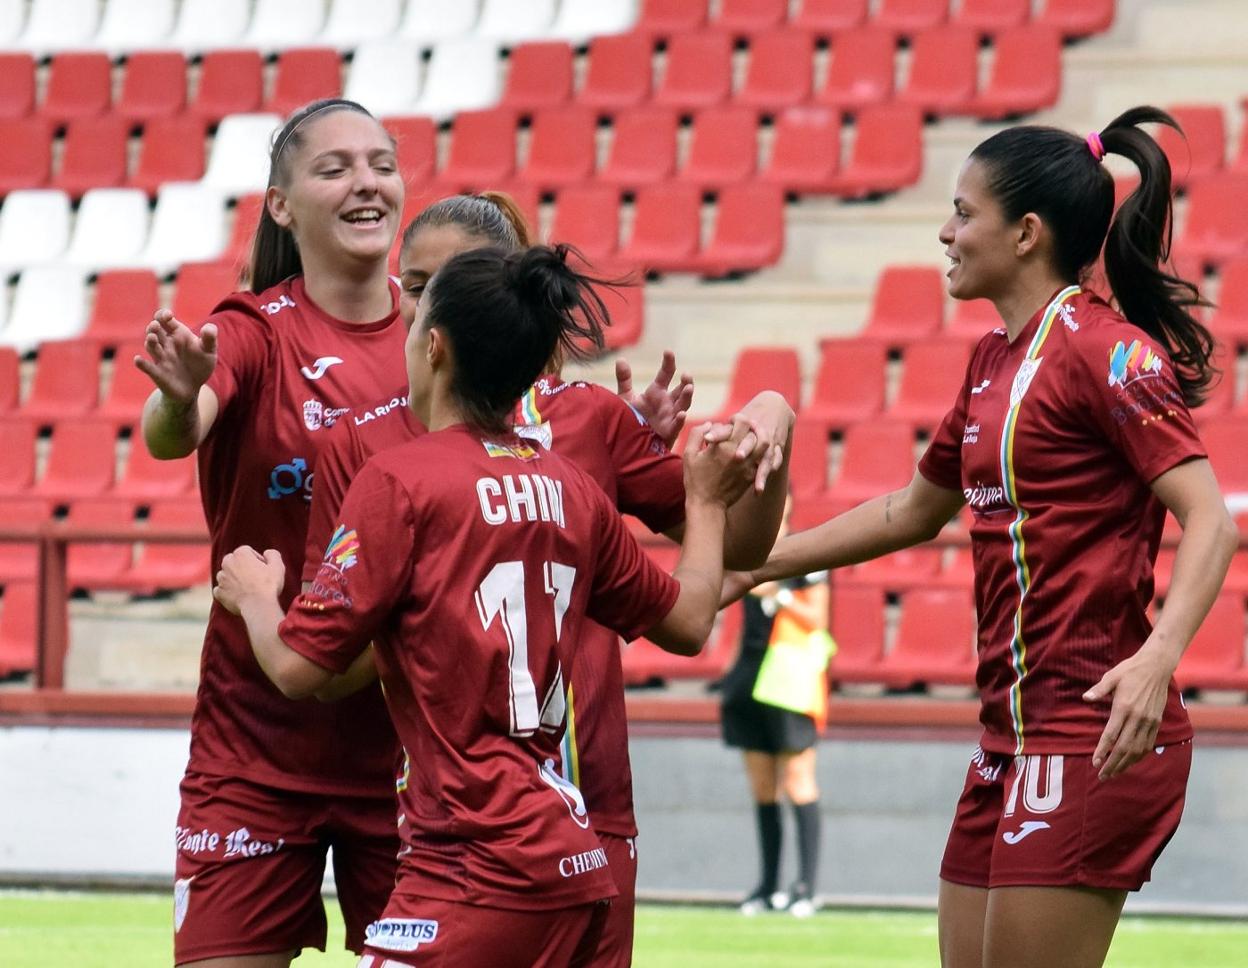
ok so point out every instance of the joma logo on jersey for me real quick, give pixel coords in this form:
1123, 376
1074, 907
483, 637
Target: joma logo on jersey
519, 498
320, 365
1130, 363
275, 307
400, 934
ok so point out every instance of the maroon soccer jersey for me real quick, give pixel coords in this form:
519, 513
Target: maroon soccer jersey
285, 371
1054, 441
472, 565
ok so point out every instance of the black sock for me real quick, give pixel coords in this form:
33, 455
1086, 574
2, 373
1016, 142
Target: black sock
807, 815
768, 818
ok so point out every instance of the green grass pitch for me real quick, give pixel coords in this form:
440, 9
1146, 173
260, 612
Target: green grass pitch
108, 930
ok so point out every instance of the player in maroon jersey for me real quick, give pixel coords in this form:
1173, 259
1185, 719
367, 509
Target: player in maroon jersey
602, 434
272, 783
471, 557
1070, 438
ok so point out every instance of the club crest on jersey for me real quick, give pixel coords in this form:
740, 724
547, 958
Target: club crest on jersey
400, 934
1130, 363
518, 451
313, 414
1022, 380
540, 433
343, 550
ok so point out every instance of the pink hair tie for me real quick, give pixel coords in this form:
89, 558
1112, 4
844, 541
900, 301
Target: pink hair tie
1095, 146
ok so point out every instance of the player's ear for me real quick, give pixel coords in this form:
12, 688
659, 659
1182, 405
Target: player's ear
1030, 230
436, 348
275, 202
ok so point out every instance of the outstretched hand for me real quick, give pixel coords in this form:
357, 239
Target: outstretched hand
247, 573
181, 361
661, 405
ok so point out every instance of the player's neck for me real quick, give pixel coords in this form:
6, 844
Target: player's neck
356, 294
1030, 293
443, 412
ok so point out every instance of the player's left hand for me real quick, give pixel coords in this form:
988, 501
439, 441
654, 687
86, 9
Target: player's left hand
714, 472
661, 405
245, 573
1139, 686
760, 430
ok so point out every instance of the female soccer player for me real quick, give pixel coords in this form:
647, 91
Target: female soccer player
272, 783
1070, 438
601, 433
471, 558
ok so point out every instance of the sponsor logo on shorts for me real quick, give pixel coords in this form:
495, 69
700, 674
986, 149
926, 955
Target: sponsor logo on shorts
590, 860
400, 934
1027, 828
196, 841
181, 900
238, 843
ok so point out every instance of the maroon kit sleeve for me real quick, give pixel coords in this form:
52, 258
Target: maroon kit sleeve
649, 477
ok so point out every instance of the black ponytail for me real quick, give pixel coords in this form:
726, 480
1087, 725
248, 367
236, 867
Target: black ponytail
1059, 176
506, 313
274, 254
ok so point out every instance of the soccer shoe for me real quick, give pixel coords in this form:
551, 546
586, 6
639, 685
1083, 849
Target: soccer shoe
762, 901
802, 903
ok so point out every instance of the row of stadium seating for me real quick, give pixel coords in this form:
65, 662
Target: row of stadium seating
120, 27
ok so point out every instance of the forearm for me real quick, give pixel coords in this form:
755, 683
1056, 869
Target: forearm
170, 429
363, 673
700, 573
294, 675
754, 520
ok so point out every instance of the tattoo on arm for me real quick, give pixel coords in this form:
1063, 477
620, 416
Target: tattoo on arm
888, 509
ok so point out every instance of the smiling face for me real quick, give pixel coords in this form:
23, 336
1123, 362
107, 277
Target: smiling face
343, 195
978, 240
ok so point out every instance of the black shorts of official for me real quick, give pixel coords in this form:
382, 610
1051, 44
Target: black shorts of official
751, 725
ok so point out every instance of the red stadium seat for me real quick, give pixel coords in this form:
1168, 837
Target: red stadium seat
67, 381
808, 461
643, 148
899, 571
743, 18
168, 566
1230, 318
823, 19
25, 154
723, 149
19, 627
243, 228
199, 287
81, 462
1077, 18
1220, 396
935, 640
619, 72
944, 70
933, 372
958, 572
887, 154
909, 18
171, 150
749, 230
1216, 228
991, 16
19, 561
662, 19
154, 86
625, 304
10, 380
304, 74
1226, 441
856, 622
17, 85
562, 147
759, 368
849, 387
588, 217
667, 227
94, 155
93, 565
1201, 149
483, 149
908, 305
780, 72
539, 75
698, 72
417, 140
862, 71
130, 387
17, 470
146, 479
80, 85
877, 457
1215, 657
230, 82
972, 318
1026, 73
805, 150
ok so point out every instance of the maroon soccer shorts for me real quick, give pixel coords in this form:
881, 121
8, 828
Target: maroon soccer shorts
1046, 820
427, 933
251, 859
615, 946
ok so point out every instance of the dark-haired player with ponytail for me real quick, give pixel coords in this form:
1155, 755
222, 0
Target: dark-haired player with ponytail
272, 784
1071, 437
471, 557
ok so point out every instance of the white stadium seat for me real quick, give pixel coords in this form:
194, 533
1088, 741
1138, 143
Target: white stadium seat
278, 24
55, 25
210, 24
580, 20
12, 18
353, 22
385, 76
430, 21
240, 154
50, 303
188, 226
110, 230
34, 228
130, 25
463, 75
509, 21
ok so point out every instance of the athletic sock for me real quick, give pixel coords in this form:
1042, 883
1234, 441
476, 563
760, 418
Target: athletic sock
807, 816
768, 818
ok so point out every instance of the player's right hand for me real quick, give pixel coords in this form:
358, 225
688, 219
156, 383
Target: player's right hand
181, 361
716, 472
